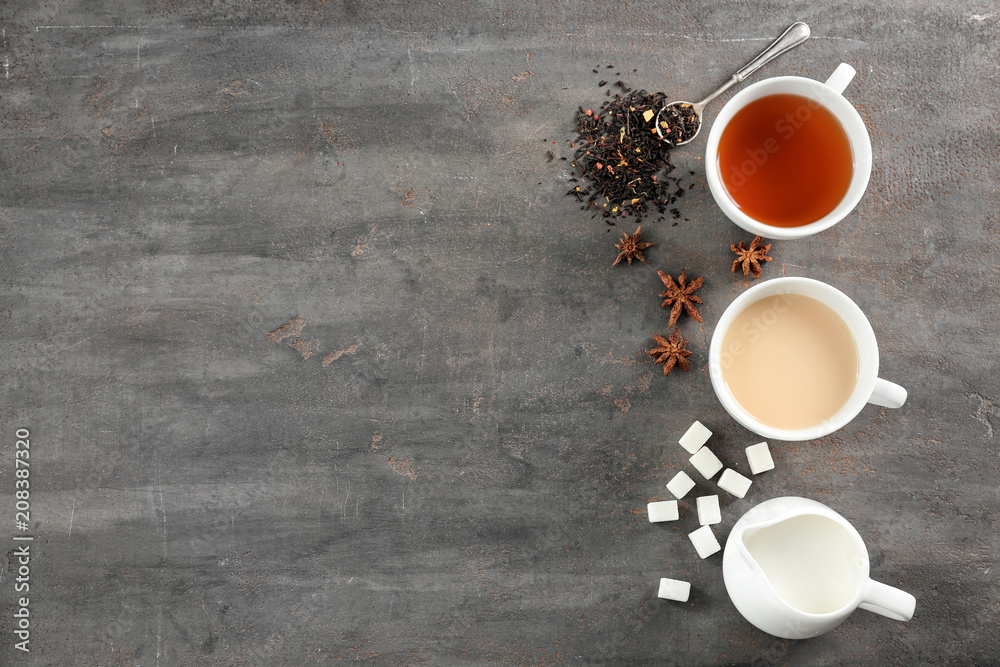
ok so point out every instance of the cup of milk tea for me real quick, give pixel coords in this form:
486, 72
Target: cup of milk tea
796, 359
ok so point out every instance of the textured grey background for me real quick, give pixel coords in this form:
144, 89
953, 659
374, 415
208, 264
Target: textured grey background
466, 481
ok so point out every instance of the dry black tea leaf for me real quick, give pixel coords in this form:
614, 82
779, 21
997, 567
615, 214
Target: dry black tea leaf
678, 123
622, 164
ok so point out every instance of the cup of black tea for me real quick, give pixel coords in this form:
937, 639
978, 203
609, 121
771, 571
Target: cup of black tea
789, 156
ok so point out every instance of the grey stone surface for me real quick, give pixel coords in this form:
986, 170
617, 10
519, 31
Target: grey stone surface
457, 471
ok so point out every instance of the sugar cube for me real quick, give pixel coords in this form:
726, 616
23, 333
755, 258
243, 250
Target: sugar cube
704, 541
706, 462
674, 589
680, 484
734, 483
759, 457
695, 437
708, 510
665, 510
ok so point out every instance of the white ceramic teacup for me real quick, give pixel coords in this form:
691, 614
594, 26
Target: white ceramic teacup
828, 94
869, 388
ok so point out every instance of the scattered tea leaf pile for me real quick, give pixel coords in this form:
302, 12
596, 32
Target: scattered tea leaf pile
623, 166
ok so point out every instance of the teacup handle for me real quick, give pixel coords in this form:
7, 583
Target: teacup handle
887, 394
888, 601
841, 77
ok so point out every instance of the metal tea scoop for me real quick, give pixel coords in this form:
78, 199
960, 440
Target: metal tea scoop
795, 35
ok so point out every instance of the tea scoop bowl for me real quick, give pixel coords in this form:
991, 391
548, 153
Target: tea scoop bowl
792, 37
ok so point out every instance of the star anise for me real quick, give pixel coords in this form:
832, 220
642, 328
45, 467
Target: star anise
671, 352
681, 295
751, 257
632, 247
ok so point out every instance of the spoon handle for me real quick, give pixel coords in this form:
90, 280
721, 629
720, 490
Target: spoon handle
795, 35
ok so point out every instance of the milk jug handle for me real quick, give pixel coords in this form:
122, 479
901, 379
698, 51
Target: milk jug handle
888, 601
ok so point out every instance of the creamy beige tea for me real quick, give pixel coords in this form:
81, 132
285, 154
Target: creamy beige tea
790, 361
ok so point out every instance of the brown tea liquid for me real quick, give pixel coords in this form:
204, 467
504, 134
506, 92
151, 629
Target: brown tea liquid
786, 160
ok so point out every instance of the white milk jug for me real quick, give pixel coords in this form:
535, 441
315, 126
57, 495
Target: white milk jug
796, 569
